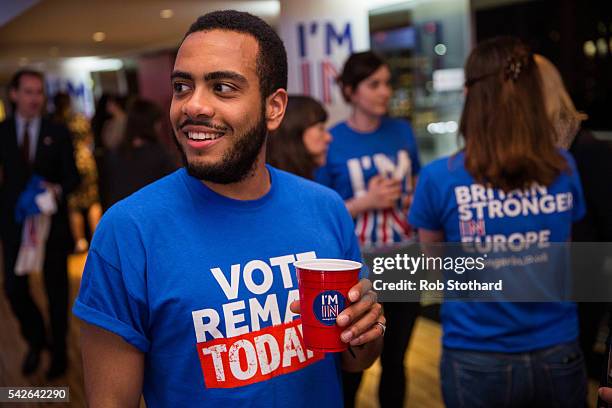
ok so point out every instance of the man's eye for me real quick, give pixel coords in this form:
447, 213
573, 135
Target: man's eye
223, 88
179, 87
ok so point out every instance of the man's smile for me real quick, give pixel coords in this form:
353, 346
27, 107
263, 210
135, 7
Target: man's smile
200, 137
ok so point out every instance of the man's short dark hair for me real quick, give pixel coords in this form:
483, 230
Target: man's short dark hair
271, 58
16, 79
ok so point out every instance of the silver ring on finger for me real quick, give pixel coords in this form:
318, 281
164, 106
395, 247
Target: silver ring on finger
382, 326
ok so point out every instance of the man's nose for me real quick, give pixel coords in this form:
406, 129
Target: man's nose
198, 105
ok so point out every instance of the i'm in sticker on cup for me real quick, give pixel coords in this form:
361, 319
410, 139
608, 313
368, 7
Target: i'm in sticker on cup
324, 286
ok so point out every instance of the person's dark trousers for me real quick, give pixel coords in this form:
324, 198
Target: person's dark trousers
400, 322
17, 291
28, 315
551, 377
56, 285
350, 386
392, 387
590, 316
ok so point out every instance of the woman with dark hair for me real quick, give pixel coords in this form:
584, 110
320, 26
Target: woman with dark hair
141, 158
107, 125
99, 118
372, 163
510, 182
113, 129
108, 122
300, 144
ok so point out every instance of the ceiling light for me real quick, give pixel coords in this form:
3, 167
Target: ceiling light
440, 49
166, 13
589, 49
99, 36
92, 64
441, 128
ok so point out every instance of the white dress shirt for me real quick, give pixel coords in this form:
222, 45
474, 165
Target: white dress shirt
33, 132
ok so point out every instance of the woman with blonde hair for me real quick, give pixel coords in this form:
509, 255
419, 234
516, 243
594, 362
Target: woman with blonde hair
559, 106
593, 161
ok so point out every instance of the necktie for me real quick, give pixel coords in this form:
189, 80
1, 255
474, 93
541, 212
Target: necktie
25, 144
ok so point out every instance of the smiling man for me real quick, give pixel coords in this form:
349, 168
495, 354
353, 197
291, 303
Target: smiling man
189, 295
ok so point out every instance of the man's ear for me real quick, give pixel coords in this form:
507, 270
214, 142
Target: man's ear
275, 108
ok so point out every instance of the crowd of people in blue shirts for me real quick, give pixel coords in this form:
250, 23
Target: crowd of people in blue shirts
521, 134
519, 127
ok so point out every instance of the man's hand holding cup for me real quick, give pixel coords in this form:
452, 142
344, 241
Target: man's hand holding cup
337, 308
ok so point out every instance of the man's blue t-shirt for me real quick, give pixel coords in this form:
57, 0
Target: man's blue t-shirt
354, 158
202, 284
448, 199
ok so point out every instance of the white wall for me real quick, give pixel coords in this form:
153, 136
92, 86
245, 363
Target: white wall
319, 35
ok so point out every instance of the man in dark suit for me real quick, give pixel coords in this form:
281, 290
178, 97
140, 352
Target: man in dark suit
31, 144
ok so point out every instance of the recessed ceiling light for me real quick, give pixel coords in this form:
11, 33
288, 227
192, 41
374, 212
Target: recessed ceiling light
99, 36
166, 13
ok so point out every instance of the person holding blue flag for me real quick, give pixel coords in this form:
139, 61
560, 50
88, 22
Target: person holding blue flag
31, 144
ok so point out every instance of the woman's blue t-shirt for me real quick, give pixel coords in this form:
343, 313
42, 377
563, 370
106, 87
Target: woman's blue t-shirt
448, 199
355, 157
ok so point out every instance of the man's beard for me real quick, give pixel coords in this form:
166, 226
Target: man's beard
237, 163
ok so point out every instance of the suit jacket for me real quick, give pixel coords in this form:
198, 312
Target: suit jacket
594, 166
54, 161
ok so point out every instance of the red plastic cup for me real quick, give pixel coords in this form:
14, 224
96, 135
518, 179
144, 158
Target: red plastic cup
324, 285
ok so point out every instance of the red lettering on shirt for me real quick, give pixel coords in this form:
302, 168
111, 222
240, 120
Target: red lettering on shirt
256, 356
